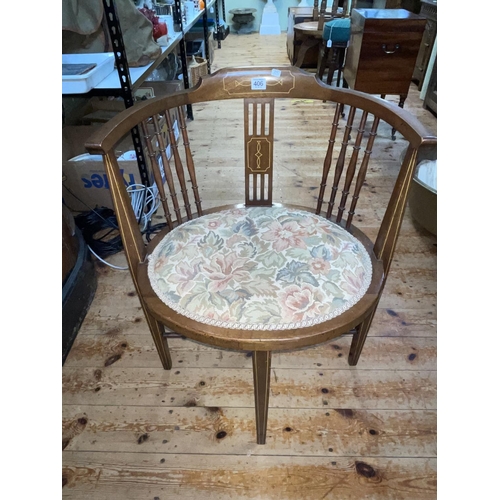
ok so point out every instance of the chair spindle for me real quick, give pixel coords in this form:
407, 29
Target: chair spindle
351, 169
362, 170
322, 13
315, 10
339, 167
166, 168
328, 158
156, 172
178, 167
189, 161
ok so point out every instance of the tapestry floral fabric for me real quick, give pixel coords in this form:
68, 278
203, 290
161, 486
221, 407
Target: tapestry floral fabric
260, 268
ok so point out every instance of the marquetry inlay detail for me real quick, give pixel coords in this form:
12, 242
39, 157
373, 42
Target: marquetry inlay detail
277, 85
259, 148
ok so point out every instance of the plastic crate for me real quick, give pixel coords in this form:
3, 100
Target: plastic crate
198, 25
83, 83
195, 47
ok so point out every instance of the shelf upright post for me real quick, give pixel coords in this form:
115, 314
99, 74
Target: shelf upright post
115, 34
223, 9
207, 40
182, 48
217, 23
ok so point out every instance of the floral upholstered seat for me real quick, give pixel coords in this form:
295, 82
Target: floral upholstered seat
268, 268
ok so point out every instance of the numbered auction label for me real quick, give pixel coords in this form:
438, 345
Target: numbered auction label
258, 84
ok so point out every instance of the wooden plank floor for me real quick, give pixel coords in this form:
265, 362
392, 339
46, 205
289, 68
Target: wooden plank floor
132, 430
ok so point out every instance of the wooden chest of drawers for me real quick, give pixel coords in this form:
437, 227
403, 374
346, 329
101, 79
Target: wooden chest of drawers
429, 11
383, 50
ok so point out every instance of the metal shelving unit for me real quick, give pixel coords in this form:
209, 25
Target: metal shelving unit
113, 84
123, 81
185, 29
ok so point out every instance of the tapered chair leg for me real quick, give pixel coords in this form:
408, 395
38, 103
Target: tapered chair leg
158, 333
358, 339
261, 380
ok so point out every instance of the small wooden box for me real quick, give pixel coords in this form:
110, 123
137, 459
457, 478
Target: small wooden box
383, 50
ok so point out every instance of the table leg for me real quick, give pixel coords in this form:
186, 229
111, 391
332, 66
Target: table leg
341, 55
304, 47
333, 56
344, 86
402, 99
324, 58
261, 380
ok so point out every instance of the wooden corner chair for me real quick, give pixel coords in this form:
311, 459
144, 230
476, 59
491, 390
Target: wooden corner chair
262, 276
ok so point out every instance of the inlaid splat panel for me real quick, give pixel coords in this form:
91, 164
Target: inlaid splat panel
259, 136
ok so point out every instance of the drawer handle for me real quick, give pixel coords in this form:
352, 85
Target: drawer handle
396, 47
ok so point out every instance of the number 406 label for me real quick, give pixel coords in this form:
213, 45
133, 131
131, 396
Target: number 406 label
258, 84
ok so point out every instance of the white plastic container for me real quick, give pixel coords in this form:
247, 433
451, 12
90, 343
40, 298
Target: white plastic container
81, 84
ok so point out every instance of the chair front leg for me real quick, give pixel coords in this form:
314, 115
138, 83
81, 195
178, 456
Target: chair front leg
261, 380
158, 333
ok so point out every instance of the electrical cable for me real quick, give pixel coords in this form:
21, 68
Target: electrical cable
151, 230
141, 197
107, 263
145, 202
83, 203
98, 230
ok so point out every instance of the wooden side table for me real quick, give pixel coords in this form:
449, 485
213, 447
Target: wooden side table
382, 51
311, 37
298, 15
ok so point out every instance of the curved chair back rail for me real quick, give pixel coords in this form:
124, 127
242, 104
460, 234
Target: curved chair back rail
293, 83
335, 288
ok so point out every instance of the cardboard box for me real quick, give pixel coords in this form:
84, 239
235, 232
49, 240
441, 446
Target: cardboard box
101, 109
162, 88
85, 182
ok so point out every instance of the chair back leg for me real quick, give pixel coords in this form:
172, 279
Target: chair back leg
359, 337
